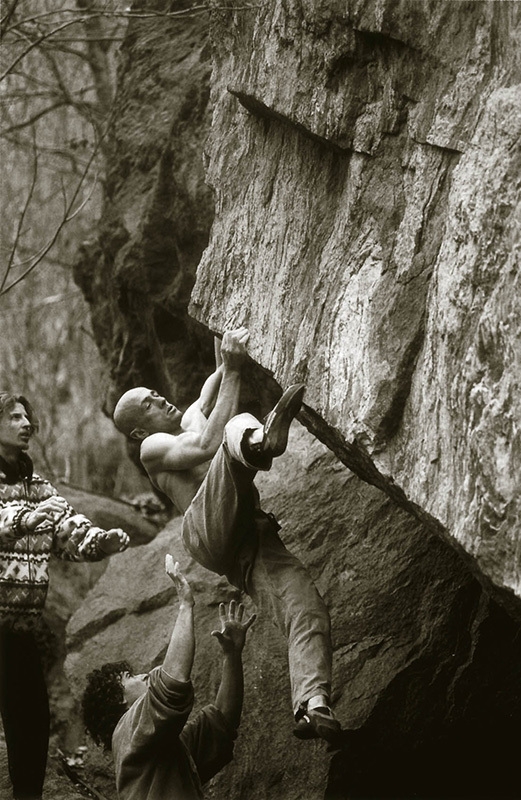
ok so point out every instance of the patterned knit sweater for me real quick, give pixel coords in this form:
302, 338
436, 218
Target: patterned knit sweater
24, 557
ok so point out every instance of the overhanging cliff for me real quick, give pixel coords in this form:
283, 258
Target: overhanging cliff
364, 161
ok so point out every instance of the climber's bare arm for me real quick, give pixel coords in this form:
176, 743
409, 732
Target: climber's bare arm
200, 437
164, 452
209, 392
208, 396
234, 341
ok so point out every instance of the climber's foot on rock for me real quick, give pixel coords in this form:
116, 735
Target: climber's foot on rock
277, 423
318, 723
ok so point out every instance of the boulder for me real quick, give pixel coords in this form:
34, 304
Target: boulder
358, 205
413, 635
364, 159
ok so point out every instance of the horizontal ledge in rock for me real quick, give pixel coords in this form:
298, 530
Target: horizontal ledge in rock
157, 600
447, 144
93, 627
260, 109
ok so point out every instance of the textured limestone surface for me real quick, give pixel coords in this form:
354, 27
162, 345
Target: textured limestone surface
365, 159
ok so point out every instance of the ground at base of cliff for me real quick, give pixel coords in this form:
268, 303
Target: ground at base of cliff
61, 781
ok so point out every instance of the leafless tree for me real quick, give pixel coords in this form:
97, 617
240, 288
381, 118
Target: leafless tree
57, 81
58, 74
50, 86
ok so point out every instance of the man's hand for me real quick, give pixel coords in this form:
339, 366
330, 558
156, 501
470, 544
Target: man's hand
113, 541
233, 347
182, 586
45, 512
232, 635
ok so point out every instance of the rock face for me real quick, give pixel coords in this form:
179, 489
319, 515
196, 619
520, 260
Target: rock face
364, 159
138, 272
414, 633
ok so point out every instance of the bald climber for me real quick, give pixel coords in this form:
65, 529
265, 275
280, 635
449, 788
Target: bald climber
205, 460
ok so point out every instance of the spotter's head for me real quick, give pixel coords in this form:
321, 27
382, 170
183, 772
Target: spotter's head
104, 701
18, 422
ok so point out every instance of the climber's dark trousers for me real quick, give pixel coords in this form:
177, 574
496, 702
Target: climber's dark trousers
24, 706
226, 532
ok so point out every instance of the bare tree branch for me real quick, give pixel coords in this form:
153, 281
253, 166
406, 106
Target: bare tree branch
67, 217
21, 219
29, 78
37, 42
97, 57
195, 10
84, 39
11, 8
18, 126
76, 163
86, 108
71, 51
51, 91
185, 12
7, 98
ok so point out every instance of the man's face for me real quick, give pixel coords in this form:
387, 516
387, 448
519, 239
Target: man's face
15, 431
156, 414
134, 686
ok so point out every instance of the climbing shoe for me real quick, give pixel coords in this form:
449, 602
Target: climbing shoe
277, 423
318, 723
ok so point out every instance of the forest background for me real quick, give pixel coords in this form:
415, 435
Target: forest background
58, 74
58, 81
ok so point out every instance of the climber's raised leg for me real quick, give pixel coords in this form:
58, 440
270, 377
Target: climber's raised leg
226, 531
219, 521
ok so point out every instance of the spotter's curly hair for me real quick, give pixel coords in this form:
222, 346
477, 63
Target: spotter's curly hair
103, 702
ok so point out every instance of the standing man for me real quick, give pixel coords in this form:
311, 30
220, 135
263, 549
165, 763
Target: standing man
35, 522
158, 755
205, 460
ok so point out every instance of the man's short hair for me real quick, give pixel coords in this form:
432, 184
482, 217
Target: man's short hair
126, 414
103, 702
8, 401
